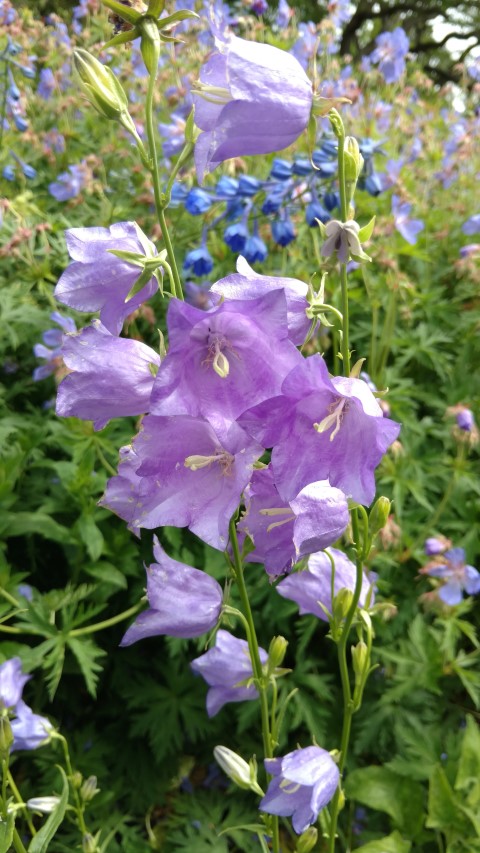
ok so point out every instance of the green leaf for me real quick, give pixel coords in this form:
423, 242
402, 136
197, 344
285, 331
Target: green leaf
6, 833
468, 773
86, 653
393, 843
22, 523
379, 788
366, 232
40, 842
106, 573
444, 809
90, 535
124, 12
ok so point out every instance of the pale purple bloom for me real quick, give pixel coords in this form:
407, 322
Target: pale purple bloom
69, 184
472, 225
465, 419
471, 249
223, 361
390, 54
51, 349
323, 428
283, 532
436, 545
306, 44
284, 15
12, 682
181, 472
111, 377
224, 667
408, 228
304, 781
98, 280
29, 730
473, 69
46, 84
248, 284
263, 106
340, 11
458, 576
183, 602
312, 586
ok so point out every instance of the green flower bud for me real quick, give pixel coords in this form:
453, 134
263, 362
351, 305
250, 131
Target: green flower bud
77, 779
89, 843
89, 789
307, 840
276, 653
236, 768
6, 737
379, 515
100, 85
150, 44
45, 805
359, 660
353, 160
341, 604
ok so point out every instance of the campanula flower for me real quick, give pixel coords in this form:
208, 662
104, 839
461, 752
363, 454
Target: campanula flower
12, 682
69, 184
304, 781
183, 602
225, 667
436, 545
97, 280
458, 577
252, 98
29, 730
312, 586
248, 284
51, 348
110, 377
323, 428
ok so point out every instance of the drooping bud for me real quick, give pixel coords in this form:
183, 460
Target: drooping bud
276, 653
6, 737
150, 44
45, 805
236, 768
77, 779
89, 789
379, 515
307, 840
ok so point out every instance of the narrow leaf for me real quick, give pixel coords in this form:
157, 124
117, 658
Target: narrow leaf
40, 842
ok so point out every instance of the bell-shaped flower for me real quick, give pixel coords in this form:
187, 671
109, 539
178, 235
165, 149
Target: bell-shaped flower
226, 667
12, 682
248, 284
322, 428
342, 238
182, 472
304, 781
111, 377
223, 361
283, 532
97, 280
29, 730
312, 586
252, 98
458, 577
183, 602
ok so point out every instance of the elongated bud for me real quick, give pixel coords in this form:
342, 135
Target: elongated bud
100, 85
6, 737
77, 779
276, 653
359, 660
379, 515
89, 789
150, 45
307, 840
45, 805
336, 123
89, 844
342, 604
236, 768
353, 160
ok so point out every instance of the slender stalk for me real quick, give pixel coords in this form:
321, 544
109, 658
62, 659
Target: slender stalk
99, 626
343, 267
6, 595
19, 799
3, 109
79, 806
256, 663
159, 202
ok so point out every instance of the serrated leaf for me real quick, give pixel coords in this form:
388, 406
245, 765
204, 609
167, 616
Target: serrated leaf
86, 653
379, 788
468, 773
41, 841
444, 809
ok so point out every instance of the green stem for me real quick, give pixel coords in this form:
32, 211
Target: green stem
348, 707
6, 595
17, 843
256, 662
159, 201
99, 626
79, 807
343, 267
4, 100
19, 799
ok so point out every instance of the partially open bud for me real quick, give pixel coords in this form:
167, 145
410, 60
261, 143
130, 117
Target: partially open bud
359, 660
307, 840
89, 789
236, 768
353, 160
379, 515
100, 85
341, 604
89, 843
276, 653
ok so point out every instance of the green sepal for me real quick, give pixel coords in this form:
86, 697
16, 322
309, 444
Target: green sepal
366, 232
155, 8
321, 228
131, 257
125, 12
122, 38
311, 137
360, 257
140, 283
191, 131
176, 18
357, 368
150, 44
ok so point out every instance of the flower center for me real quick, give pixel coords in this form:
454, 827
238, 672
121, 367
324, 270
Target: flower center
289, 787
216, 356
223, 457
278, 511
337, 410
212, 94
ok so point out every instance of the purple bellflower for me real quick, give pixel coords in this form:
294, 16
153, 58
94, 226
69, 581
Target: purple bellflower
225, 667
458, 576
183, 602
312, 585
436, 545
111, 377
69, 184
322, 428
12, 682
51, 348
304, 781
472, 225
248, 284
252, 99
98, 280
29, 729
284, 532
223, 361
180, 472
408, 228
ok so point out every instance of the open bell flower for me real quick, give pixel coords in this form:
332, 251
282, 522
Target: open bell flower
251, 99
304, 781
183, 602
226, 667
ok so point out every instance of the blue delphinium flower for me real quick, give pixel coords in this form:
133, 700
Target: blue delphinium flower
197, 201
199, 261
281, 170
283, 231
315, 211
46, 84
255, 249
235, 236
